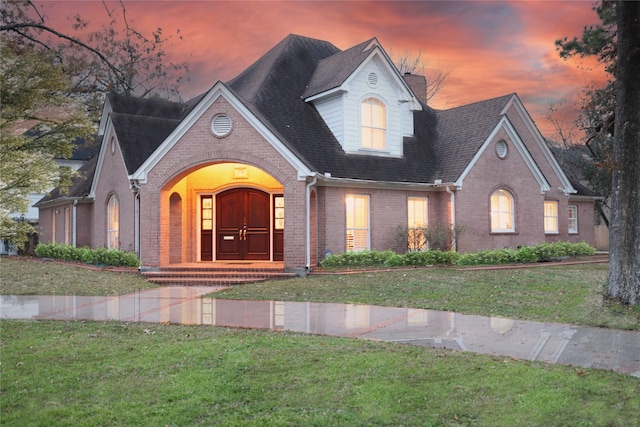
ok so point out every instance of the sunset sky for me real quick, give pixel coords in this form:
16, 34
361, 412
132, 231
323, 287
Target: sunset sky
491, 47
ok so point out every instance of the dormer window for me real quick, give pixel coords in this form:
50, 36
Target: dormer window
373, 119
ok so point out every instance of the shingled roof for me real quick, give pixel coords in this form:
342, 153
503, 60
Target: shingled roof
462, 131
274, 89
80, 185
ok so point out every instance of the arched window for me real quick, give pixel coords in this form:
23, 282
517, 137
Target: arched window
113, 222
373, 118
502, 212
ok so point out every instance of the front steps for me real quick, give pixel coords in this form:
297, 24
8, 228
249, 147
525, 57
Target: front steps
224, 275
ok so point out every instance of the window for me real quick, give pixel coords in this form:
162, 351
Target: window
279, 212
573, 219
67, 226
357, 222
374, 124
417, 222
54, 223
550, 216
113, 222
502, 212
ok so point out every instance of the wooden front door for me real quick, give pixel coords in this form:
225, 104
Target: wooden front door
242, 225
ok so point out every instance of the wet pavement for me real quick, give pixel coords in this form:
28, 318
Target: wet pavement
547, 342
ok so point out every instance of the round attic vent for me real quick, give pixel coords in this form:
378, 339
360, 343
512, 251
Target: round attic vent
501, 149
372, 79
221, 125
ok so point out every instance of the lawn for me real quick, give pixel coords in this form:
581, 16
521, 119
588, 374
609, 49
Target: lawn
92, 373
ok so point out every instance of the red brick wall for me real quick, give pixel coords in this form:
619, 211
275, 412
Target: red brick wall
198, 148
113, 179
511, 173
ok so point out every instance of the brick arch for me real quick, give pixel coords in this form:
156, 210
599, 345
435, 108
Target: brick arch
178, 170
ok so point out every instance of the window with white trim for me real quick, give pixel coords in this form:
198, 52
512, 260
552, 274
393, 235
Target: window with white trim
54, 223
357, 213
67, 226
113, 222
551, 216
502, 212
373, 121
417, 222
573, 219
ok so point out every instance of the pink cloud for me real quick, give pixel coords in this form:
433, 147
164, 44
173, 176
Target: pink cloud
492, 48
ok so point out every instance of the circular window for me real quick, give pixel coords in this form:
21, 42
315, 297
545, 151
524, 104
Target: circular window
221, 125
372, 79
501, 149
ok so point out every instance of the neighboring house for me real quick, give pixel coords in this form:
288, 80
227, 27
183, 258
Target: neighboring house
309, 150
81, 153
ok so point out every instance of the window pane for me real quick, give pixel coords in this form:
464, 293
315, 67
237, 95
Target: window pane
550, 217
357, 222
373, 119
113, 215
502, 215
573, 219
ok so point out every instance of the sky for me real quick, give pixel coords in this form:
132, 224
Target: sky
490, 48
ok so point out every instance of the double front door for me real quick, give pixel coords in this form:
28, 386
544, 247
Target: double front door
241, 228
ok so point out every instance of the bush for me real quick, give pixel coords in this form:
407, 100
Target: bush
524, 254
99, 256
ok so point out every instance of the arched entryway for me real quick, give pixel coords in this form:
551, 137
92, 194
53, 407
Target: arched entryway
224, 212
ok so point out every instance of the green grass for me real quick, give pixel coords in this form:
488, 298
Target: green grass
123, 374
566, 294
126, 374
32, 276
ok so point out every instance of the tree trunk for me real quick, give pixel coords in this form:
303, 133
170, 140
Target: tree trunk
624, 240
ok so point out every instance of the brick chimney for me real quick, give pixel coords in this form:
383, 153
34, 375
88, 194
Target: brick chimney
418, 85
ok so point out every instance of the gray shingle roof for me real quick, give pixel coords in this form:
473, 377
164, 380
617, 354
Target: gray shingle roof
462, 131
80, 185
274, 87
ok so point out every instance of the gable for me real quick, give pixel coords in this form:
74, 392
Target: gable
218, 90
505, 126
343, 81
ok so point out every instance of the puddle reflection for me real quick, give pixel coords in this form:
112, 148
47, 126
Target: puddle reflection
550, 342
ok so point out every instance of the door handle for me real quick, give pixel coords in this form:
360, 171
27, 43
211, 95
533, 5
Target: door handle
242, 233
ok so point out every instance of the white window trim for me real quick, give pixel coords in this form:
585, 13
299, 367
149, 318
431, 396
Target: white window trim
551, 216
414, 225
371, 128
113, 234
352, 229
511, 212
573, 220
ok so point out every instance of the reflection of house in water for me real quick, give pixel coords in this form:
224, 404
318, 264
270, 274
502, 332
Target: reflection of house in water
550, 342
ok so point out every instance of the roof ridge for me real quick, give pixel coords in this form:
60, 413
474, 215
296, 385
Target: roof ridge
482, 101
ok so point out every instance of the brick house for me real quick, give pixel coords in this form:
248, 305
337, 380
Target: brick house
313, 150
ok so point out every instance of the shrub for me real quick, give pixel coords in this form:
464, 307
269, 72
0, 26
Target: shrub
99, 256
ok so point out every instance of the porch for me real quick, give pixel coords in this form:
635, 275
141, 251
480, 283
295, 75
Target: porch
217, 273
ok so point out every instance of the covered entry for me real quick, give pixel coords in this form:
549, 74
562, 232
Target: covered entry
224, 212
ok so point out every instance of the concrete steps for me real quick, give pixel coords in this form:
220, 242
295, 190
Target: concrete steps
214, 276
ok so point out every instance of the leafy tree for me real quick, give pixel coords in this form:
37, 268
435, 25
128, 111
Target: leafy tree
611, 118
115, 58
598, 103
33, 93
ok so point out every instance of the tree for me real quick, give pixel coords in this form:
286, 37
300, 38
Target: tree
612, 121
115, 58
33, 93
624, 241
598, 103
415, 64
